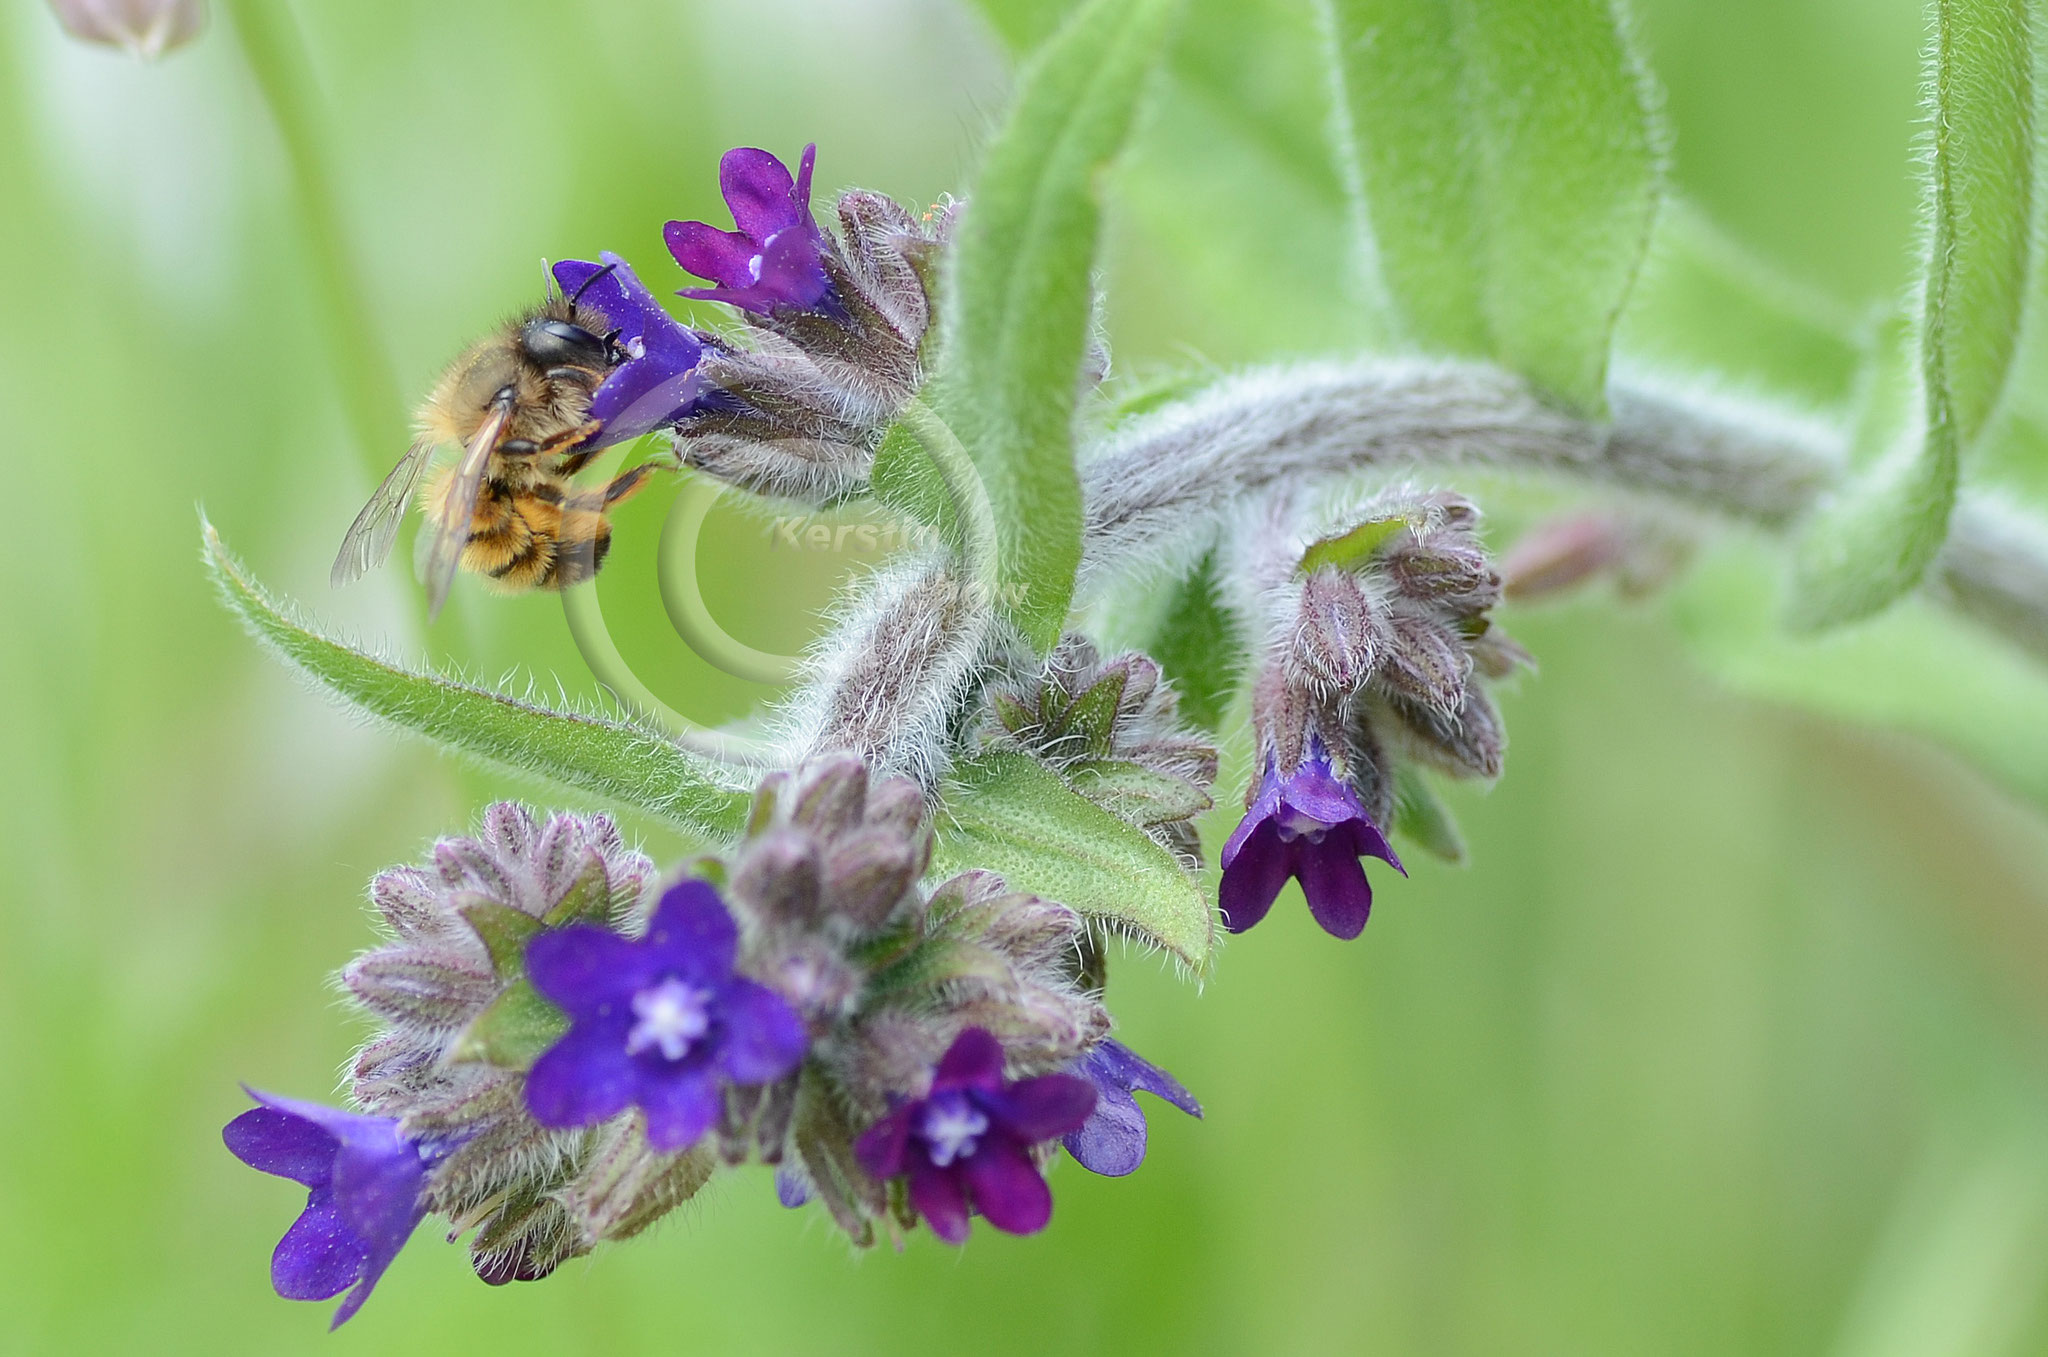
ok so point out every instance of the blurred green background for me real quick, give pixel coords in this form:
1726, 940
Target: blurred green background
1731, 1040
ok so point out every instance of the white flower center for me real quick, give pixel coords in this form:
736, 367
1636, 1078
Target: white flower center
672, 1015
952, 1127
754, 267
1296, 825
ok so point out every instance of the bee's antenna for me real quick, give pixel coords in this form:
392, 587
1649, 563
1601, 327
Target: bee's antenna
584, 286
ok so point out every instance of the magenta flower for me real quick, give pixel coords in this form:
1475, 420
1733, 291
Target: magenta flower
660, 1022
1310, 826
1112, 1141
775, 258
364, 1183
966, 1145
658, 383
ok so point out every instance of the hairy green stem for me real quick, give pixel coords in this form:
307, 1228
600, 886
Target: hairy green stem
1157, 488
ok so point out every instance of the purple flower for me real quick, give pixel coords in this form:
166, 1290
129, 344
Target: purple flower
658, 384
775, 260
1310, 826
660, 1022
1112, 1141
968, 1142
365, 1184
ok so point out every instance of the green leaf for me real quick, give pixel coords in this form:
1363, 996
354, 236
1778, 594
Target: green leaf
588, 899
1199, 649
1093, 713
1348, 550
1875, 541
504, 932
1421, 816
1011, 815
1134, 792
1506, 159
512, 1031
907, 480
617, 762
1019, 299
933, 963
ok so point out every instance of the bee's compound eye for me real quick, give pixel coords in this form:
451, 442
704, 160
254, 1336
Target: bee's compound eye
556, 343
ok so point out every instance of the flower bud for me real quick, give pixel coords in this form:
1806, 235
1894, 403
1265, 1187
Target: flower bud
143, 28
1339, 636
1110, 728
627, 1185
779, 877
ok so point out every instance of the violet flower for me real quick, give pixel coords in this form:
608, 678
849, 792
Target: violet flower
1310, 826
659, 382
967, 1144
364, 1180
775, 259
660, 1022
1112, 1141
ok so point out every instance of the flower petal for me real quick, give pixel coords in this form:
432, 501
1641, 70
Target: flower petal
1368, 841
883, 1148
1316, 792
791, 1190
319, 1255
1252, 877
1039, 1109
1113, 1063
722, 256
1334, 881
790, 268
758, 188
692, 936
377, 1183
660, 384
277, 1142
1262, 809
338, 1122
941, 1198
764, 1037
761, 301
589, 970
680, 1105
611, 288
1006, 1186
583, 1079
974, 1060
1112, 1141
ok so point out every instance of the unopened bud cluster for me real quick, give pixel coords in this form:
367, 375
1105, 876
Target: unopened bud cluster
1379, 644
1111, 730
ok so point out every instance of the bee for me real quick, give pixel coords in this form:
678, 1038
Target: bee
518, 405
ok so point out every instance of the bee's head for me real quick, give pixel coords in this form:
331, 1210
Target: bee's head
551, 343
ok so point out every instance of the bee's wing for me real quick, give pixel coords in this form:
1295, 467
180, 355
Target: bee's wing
449, 513
370, 537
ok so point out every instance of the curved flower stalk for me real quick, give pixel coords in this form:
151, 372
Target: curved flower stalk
885, 976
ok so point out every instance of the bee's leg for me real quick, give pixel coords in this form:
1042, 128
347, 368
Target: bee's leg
628, 484
568, 441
